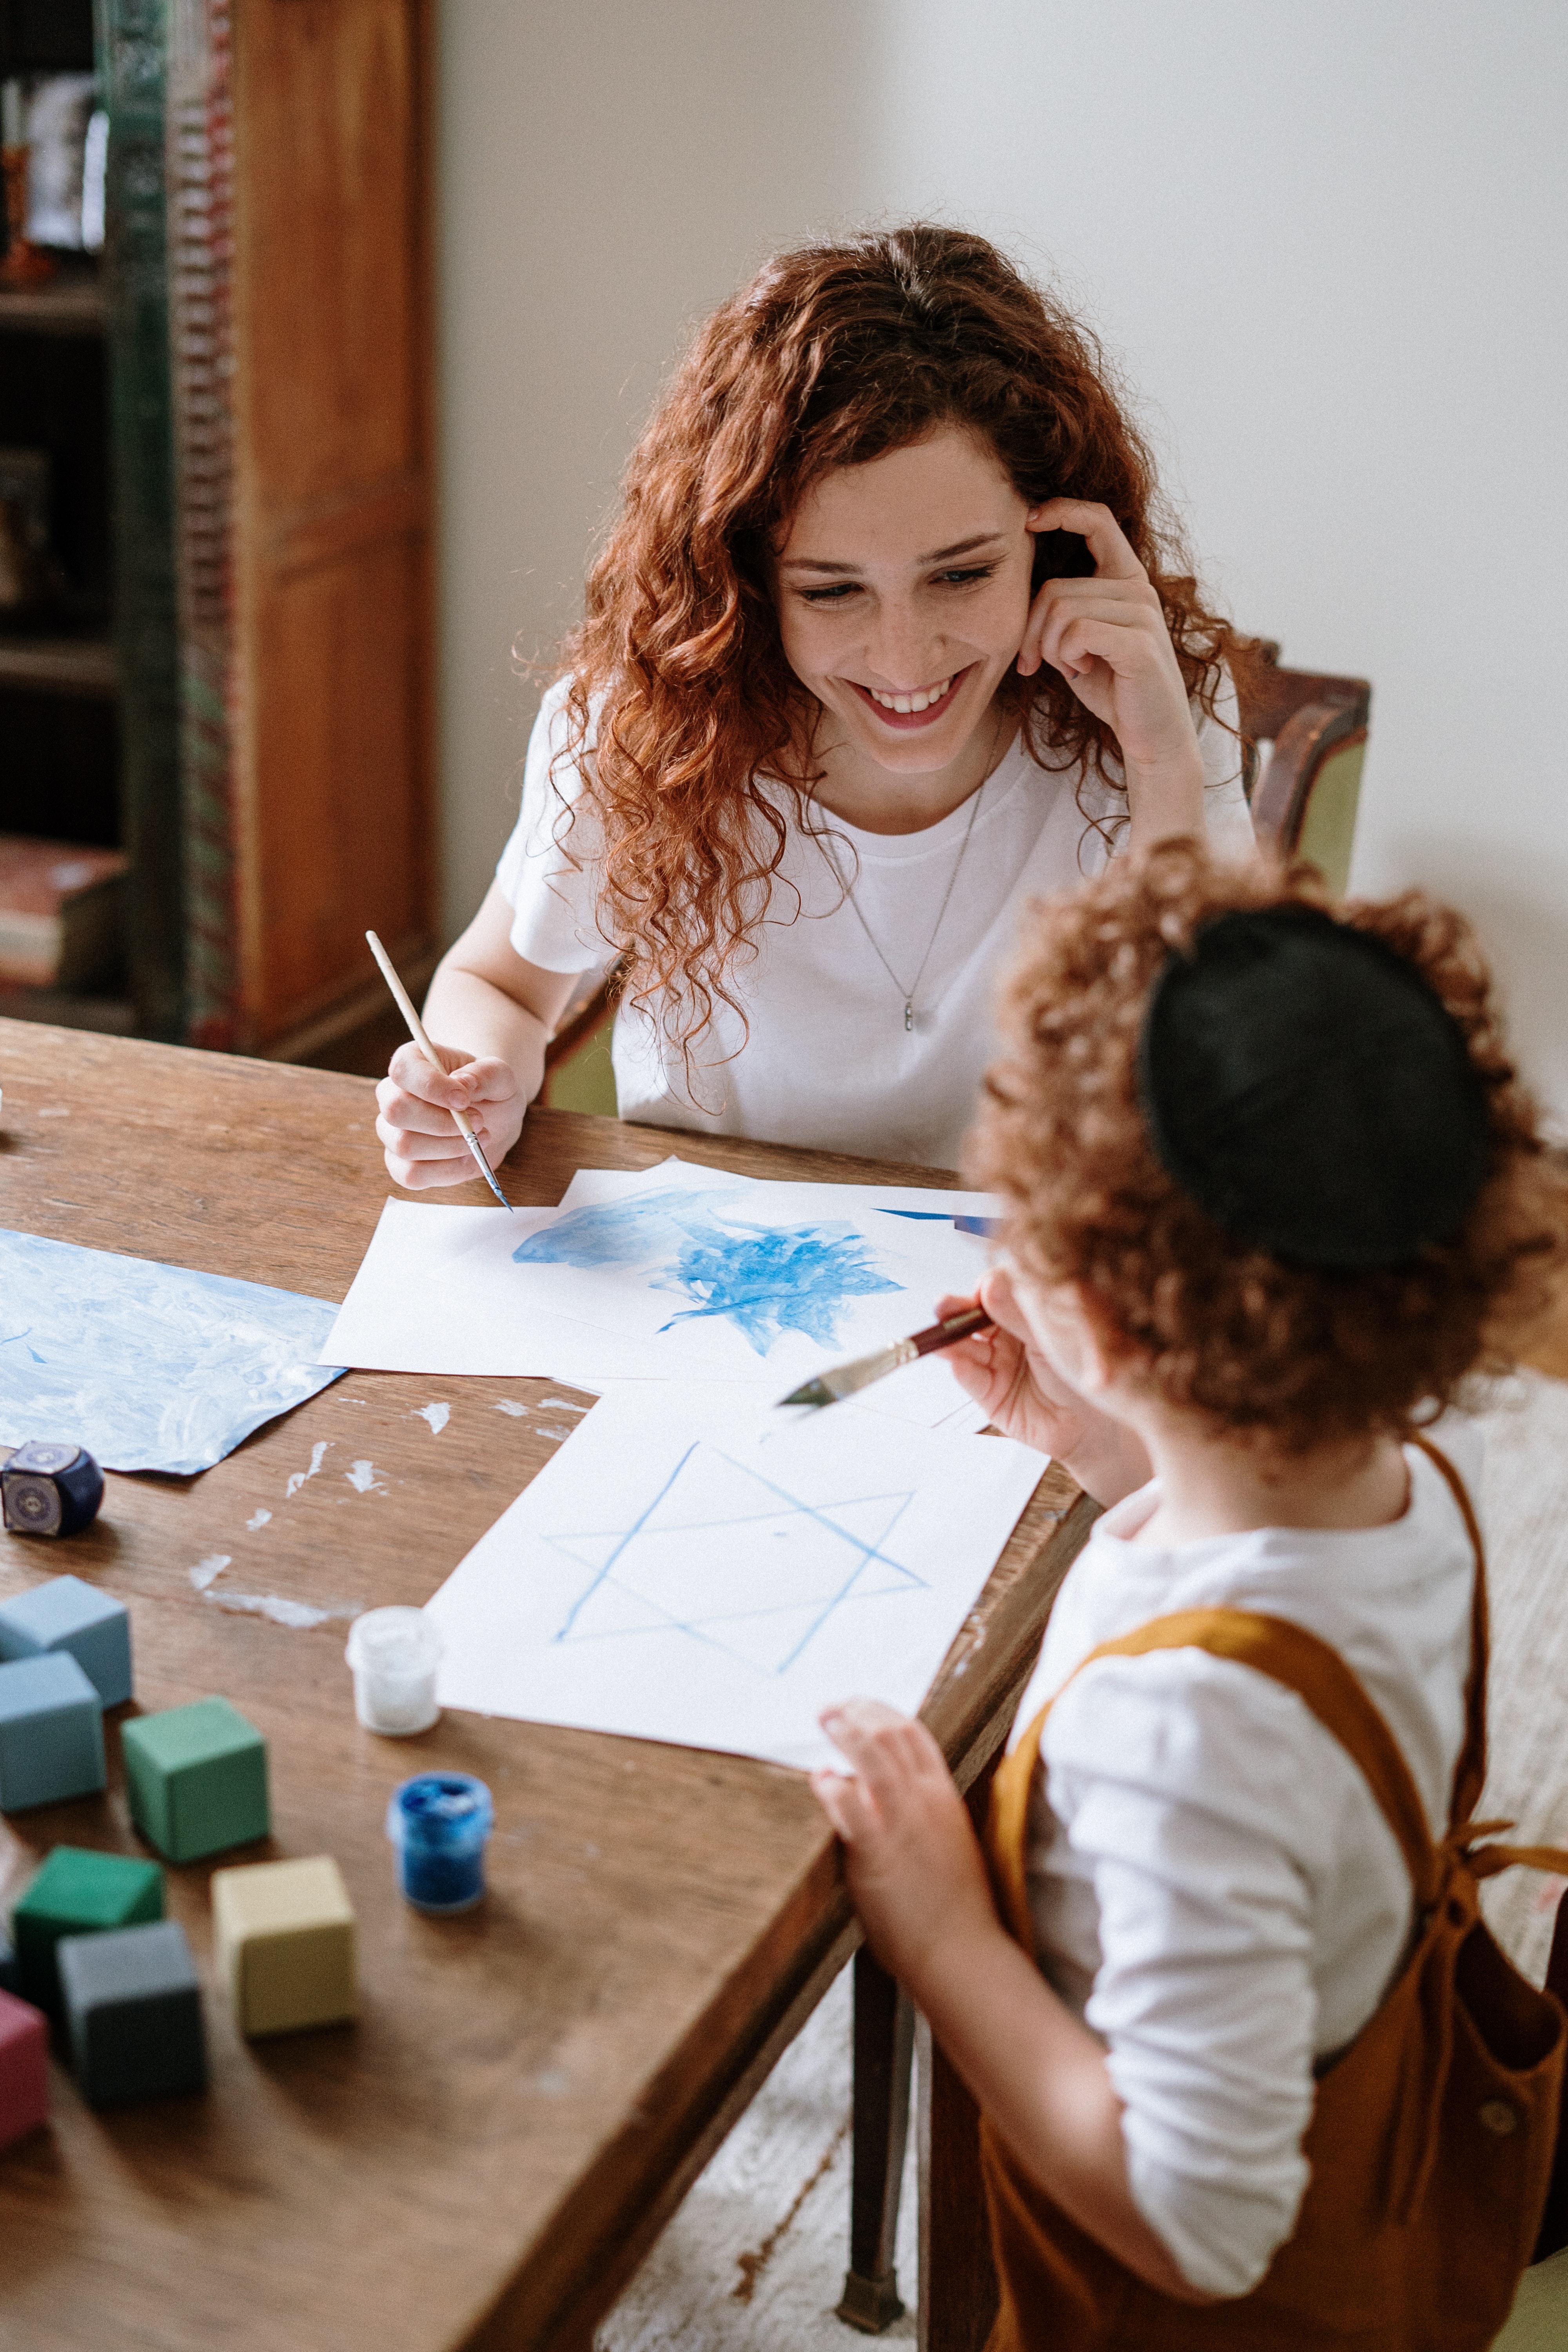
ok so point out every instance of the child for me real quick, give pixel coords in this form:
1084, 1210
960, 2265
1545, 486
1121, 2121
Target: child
1271, 1183
832, 718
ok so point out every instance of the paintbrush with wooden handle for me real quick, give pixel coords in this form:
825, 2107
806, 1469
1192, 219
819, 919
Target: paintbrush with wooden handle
416, 1031
848, 1380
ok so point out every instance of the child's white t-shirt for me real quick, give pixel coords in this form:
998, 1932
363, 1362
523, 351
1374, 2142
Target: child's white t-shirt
1214, 1888
824, 1058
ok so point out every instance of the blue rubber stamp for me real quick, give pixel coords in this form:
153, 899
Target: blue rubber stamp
49, 1490
438, 1822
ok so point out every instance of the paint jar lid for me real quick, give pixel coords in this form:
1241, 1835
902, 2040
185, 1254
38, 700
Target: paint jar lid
394, 1642
448, 1811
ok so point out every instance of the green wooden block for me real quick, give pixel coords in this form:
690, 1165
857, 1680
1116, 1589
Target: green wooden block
197, 1779
78, 1893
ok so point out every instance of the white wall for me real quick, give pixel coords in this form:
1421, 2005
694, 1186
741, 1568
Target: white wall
609, 171
1323, 237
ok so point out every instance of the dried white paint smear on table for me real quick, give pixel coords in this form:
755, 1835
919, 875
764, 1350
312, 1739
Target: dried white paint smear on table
693, 1568
298, 1477
298, 1614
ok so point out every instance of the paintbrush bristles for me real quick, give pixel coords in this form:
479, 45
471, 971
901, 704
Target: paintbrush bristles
848, 1380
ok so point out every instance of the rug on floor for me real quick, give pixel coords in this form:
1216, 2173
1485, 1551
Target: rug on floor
755, 2260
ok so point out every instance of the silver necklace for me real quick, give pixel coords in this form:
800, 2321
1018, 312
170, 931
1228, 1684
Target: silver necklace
910, 993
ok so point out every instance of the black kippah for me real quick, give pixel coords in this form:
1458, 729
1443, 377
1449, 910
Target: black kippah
1303, 1085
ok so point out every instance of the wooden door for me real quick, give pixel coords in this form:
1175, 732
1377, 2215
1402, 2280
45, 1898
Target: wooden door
331, 680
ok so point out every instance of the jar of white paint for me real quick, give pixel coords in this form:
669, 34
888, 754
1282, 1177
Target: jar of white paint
394, 1654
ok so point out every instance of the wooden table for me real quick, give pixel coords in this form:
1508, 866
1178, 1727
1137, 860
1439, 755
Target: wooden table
485, 2157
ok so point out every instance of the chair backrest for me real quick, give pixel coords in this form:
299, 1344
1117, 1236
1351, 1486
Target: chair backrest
1312, 728
578, 1071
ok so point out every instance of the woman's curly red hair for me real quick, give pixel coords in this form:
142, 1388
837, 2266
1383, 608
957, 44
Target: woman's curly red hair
1286, 1357
834, 355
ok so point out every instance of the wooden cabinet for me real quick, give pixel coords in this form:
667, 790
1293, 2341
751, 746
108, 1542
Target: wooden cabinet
331, 658
265, 299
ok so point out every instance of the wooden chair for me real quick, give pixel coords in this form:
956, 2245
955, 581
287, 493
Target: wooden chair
1306, 735
578, 1074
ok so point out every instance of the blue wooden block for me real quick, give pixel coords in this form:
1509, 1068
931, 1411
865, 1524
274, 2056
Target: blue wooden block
133, 2012
67, 1614
51, 1732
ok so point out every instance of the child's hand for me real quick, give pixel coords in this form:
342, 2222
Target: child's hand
1007, 1373
912, 1859
422, 1143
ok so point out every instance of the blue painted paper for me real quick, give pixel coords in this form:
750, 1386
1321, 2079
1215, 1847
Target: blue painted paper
149, 1366
763, 1280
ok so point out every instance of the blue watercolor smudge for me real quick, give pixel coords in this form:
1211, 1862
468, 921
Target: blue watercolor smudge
764, 1280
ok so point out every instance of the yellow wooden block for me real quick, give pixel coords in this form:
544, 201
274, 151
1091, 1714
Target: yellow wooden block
285, 1944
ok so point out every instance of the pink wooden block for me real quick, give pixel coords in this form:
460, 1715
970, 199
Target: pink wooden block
24, 2068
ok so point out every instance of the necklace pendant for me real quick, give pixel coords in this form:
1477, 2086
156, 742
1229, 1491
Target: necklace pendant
909, 1017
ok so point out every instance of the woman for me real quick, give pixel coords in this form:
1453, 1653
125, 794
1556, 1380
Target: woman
885, 643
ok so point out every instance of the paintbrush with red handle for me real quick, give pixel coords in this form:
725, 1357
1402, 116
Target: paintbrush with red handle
848, 1380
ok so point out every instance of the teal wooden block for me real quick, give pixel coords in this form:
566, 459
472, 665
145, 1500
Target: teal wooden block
68, 1614
197, 1777
78, 1893
134, 2013
51, 1732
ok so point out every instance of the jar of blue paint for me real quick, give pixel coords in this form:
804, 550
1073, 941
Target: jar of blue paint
438, 1823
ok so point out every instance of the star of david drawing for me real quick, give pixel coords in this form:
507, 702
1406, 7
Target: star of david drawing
724, 1555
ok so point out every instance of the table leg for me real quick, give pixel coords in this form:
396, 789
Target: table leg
884, 2047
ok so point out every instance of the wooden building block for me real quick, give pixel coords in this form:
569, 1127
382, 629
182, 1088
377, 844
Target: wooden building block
284, 1934
51, 1732
197, 1779
68, 1614
24, 2068
78, 1893
134, 2012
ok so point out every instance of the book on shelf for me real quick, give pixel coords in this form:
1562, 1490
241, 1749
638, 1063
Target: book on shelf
62, 912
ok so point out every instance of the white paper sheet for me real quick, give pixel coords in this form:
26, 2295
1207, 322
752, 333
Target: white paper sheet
687, 1274
693, 1568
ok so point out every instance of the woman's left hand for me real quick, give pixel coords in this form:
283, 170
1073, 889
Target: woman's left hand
912, 1859
1109, 640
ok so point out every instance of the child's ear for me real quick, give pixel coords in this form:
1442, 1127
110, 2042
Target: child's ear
1083, 1314
1067, 1324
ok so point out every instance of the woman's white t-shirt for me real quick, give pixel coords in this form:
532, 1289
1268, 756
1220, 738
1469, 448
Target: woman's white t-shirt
1214, 1888
823, 1058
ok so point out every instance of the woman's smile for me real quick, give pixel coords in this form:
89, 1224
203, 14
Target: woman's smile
920, 706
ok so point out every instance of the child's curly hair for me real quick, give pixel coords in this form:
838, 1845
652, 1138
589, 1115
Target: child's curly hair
1288, 1357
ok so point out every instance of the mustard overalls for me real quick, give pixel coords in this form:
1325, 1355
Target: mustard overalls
1432, 2136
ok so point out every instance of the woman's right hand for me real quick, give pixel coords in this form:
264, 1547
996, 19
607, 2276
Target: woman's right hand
415, 1125
1024, 1397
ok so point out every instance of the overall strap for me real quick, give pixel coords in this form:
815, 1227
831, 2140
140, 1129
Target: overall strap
1288, 1655
1470, 1770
